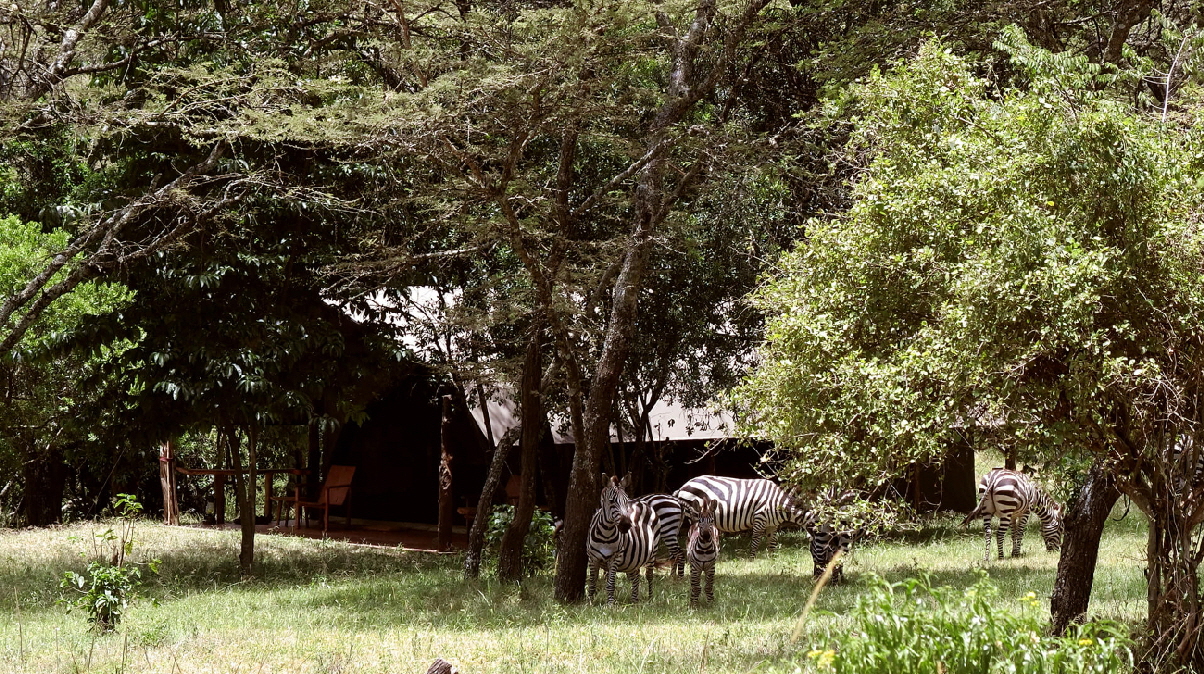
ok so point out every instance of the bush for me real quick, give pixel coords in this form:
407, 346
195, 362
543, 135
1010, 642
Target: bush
913, 627
110, 581
538, 548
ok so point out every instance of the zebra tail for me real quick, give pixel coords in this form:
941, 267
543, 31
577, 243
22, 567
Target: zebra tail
978, 511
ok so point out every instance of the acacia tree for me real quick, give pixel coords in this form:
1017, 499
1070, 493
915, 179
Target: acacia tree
1026, 257
564, 138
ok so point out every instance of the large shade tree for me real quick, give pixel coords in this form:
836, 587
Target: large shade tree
1026, 258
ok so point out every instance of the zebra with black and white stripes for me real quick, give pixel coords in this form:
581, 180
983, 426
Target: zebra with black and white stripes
759, 505
623, 536
826, 542
670, 516
702, 550
1013, 496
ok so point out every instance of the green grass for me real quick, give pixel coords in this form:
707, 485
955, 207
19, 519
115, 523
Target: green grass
322, 607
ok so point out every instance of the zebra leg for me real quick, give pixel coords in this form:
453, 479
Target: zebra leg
1005, 521
677, 555
651, 568
610, 580
758, 532
594, 567
711, 583
772, 544
986, 525
695, 587
635, 584
1018, 527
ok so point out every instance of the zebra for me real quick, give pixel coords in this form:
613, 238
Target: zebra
826, 542
1013, 496
623, 535
669, 513
702, 549
741, 505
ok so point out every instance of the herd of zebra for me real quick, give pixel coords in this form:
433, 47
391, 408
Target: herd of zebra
625, 532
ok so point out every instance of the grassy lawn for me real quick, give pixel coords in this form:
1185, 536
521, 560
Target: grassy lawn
331, 608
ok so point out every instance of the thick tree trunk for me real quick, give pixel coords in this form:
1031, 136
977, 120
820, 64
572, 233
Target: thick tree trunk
447, 503
480, 521
510, 557
1080, 548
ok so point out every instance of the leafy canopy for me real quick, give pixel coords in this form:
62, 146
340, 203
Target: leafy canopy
1026, 259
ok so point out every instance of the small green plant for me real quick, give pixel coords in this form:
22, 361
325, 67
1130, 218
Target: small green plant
110, 581
914, 627
539, 546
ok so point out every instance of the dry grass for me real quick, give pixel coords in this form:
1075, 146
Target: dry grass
327, 608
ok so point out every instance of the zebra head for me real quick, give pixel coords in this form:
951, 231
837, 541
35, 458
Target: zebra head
1052, 527
703, 527
615, 503
826, 542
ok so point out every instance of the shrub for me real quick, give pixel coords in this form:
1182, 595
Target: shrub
913, 627
539, 546
110, 581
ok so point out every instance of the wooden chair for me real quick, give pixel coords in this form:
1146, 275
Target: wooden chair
335, 491
514, 485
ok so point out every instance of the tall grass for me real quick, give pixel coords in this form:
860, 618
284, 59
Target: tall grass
329, 608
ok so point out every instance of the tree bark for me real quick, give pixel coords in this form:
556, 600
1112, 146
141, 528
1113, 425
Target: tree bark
1080, 548
447, 503
510, 557
480, 521
244, 490
583, 483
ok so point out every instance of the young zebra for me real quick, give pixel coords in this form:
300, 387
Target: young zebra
1012, 496
826, 541
669, 513
623, 536
702, 549
741, 505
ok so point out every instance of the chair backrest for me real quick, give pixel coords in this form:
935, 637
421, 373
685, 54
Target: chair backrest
337, 485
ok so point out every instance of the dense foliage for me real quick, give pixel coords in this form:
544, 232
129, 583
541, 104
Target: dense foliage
1021, 261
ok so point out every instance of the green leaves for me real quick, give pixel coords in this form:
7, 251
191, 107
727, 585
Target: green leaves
1009, 256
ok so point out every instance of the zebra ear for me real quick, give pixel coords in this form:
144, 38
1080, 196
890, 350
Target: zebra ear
626, 483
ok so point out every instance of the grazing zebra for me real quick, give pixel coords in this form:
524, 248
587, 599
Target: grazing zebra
826, 541
623, 535
702, 549
740, 505
669, 513
1013, 496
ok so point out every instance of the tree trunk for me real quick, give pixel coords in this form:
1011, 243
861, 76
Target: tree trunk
314, 460
44, 476
510, 557
583, 482
244, 488
1175, 618
447, 503
1080, 548
480, 521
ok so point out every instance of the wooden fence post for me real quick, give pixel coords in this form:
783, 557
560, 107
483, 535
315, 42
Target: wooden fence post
167, 478
447, 505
